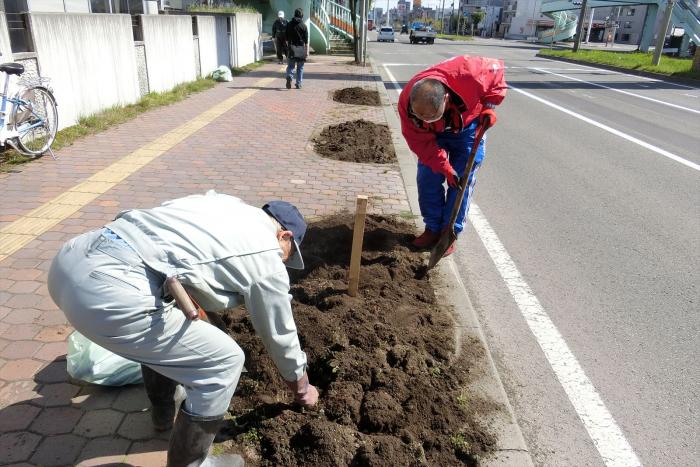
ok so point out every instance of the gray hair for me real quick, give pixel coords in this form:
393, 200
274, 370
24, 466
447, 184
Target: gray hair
276, 223
428, 91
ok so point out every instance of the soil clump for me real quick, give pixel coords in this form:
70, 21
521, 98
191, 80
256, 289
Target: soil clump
356, 141
384, 363
357, 96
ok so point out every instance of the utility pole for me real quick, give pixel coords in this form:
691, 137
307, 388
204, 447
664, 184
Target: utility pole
590, 25
388, 20
579, 26
662, 33
442, 21
363, 35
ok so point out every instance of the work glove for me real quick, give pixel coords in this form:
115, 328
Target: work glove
304, 393
451, 176
490, 114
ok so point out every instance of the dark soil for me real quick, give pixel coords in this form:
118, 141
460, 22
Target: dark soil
357, 96
384, 363
356, 141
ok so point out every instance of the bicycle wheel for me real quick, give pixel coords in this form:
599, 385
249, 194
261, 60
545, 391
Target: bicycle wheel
36, 120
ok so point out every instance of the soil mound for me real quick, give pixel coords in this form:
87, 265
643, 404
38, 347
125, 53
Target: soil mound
357, 96
384, 363
356, 141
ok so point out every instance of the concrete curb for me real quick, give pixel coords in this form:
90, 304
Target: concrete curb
451, 292
645, 74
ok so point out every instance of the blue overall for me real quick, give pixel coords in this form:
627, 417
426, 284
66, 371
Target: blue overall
435, 208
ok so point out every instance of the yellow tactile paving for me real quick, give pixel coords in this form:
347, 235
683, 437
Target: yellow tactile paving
28, 227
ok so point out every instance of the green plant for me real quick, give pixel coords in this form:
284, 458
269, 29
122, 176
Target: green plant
252, 436
459, 442
222, 9
463, 400
435, 372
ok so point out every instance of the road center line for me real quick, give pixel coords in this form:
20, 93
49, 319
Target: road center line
602, 428
599, 423
19, 233
618, 90
646, 145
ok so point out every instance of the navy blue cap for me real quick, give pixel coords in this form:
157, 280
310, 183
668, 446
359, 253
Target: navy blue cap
291, 219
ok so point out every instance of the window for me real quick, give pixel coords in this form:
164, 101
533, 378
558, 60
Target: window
195, 27
630, 12
625, 38
628, 24
100, 6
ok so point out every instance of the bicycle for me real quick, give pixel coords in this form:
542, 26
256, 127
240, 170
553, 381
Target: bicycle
31, 128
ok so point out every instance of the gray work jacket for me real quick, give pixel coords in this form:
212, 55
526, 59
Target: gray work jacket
224, 252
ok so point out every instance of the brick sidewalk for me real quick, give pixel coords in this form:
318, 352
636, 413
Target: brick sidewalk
258, 150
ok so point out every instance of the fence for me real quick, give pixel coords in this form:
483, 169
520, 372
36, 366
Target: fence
103, 60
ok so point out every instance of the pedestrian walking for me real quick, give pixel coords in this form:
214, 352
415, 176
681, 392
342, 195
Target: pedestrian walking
279, 35
441, 108
298, 42
127, 287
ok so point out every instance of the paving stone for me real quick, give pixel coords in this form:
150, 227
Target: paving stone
58, 450
104, 451
148, 453
17, 446
137, 425
51, 318
26, 316
52, 351
99, 423
17, 417
56, 420
22, 287
132, 399
56, 395
18, 391
21, 332
54, 372
19, 301
20, 349
93, 397
54, 333
15, 370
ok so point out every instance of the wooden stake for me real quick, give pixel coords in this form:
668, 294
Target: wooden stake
357, 237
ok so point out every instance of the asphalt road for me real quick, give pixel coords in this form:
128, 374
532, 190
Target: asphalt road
590, 304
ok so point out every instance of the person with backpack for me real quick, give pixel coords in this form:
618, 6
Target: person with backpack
298, 41
279, 36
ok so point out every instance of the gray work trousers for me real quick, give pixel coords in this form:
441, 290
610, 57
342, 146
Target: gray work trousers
111, 297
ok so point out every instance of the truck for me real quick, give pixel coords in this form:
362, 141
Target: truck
421, 32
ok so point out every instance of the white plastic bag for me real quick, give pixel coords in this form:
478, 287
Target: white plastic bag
89, 362
223, 73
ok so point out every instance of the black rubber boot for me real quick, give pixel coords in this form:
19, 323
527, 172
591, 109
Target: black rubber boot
161, 393
191, 439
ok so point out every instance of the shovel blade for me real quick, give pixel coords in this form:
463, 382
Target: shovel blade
446, 239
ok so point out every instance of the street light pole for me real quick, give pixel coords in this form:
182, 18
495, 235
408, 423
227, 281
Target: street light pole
662, 33
579, 26
590, 25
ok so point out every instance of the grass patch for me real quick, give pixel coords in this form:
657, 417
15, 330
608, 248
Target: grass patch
239, 70
221, 9
454, 37
668, 66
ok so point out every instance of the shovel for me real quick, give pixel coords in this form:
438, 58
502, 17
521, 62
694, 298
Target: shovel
448, 235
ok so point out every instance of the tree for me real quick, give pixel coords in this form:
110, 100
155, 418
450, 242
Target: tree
477, 17
696, 60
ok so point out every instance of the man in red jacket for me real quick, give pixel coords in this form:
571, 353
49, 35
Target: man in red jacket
441, 108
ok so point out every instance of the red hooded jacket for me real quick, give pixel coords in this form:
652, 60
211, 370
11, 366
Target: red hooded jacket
475, 81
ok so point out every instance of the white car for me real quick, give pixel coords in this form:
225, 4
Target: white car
385, 34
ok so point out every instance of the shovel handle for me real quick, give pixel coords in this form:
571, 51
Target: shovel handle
464, 181
183, 300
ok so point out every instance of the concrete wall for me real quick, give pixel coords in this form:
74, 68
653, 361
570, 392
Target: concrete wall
246, 38
208, 59
92, 67
5, 47
169, 50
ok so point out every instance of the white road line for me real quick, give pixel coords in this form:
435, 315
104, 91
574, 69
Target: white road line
618, 90
669, 83
393, 80
602, 428
651, 147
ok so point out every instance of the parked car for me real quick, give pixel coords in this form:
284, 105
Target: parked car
386, 33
